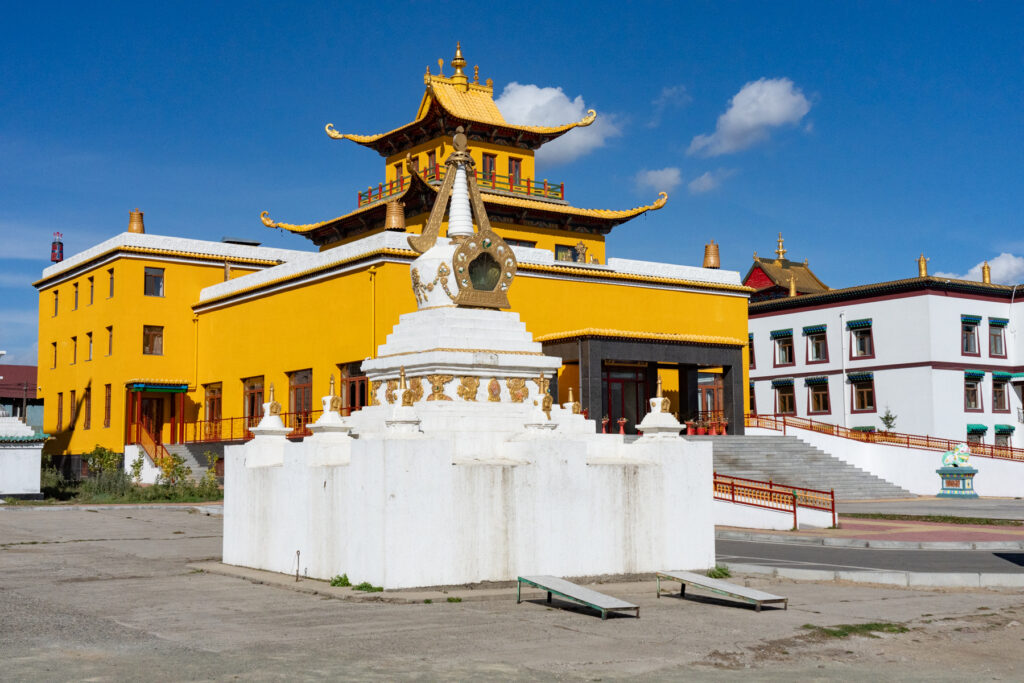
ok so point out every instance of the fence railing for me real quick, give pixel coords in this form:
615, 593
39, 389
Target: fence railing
506, 183
773, 496
239, 428
783, 422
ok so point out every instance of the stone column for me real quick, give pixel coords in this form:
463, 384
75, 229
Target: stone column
688, 400
732, 395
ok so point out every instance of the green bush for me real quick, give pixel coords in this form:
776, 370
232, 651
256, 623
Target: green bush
368, 587
341, 581
719, 571
102, 459
105, 483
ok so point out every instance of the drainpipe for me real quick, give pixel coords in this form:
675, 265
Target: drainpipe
373, 311
842, 357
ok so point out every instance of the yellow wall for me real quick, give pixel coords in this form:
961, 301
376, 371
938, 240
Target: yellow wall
126, 312
443, 147
343, 319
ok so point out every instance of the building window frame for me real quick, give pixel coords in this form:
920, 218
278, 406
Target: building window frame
107, 394
87, 408
72, 409
252, 399
970, 335
815, 394
74, 299
60, 410
785, 400
110, 340
74, 350
152, 340
867, 335
153, 281
489, 167
812, 339
88, 336
92, 289
781, 353
752, 358
53, 347
515, 171
300, 395
752, 403
973, 399
996, 337
1000, 396
859, 392
56, 302
110, 283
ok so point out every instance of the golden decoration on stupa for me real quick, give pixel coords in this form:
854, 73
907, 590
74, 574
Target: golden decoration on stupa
922, 266
780, 251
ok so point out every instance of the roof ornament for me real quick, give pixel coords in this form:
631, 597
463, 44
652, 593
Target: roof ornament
135, 223
755, 254
457, 61
780, 251
440, 67
712, 259
476, 75
922, 266
986, 273
792, 285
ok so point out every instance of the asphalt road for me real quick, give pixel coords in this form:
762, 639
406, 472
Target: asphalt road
993, 508
868, 559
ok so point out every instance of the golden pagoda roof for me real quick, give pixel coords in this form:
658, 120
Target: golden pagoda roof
419, 196
780, 270
452, 101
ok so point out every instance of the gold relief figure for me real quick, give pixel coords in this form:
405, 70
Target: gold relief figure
335, 404
576, 407
414, 393
389, 391
437, 383
546, 403
581, 251
468, 387
542, 383
374, 386
493, 390
420, 288
274, 408
516, 389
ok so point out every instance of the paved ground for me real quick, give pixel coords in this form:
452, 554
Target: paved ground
995, 508
108, 595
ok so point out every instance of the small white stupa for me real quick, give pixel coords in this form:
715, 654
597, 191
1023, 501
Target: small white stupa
20, 456
462, 469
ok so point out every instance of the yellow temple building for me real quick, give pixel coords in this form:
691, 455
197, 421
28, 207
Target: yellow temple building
161, 340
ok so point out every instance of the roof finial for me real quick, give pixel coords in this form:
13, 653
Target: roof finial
922, 266
780, 252
476, 74
440, 66
135, 223
792, 285
457, 63
986, 273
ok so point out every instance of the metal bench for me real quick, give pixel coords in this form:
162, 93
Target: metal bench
749, 595
571, 591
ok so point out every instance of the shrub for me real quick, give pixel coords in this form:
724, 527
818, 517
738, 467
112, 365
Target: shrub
136, 468
341, 581
719, 571
368, 587
173, 470
102, 459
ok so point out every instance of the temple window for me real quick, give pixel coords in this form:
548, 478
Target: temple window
212, 400
863, 345
87, 408
972, 394
53, 349
252, 399
74, 288
515, 171
750, 352
753, 400
1002, 439
817, 344
563, 252
72, 409
60, 410
353, 389
110, 340
154, 281
92, 289
152, 340
784, 351
864, 396
106, 405
996, 341
785, 400
300, 395
56, 300
431, 164
1000, 397
110, 283
74, 350
490, 167
88, 336
819, 402
520, 243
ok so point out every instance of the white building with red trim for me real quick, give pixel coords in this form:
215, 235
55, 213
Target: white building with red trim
940, 354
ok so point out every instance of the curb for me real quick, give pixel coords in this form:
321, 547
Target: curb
207, 509
835, 542
890, 578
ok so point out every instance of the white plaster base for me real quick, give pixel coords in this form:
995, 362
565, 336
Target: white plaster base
728, 513
150, 472
446, 506
20, 467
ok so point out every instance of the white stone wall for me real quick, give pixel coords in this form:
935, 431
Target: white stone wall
922, 331
402, 511
728, 513
20, 465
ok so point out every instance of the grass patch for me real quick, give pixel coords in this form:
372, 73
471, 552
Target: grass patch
368, 587
454, 599
340, 580
847, 630
942, 519
719, 571
428, 601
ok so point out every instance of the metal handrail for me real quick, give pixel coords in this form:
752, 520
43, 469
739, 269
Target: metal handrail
931, 443
496, 181
773, 496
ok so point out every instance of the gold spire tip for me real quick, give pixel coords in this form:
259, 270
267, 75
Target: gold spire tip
780, 252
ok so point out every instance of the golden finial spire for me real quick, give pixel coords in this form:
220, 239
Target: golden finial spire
922, 266
755, 254
401, 378
792, 285
659, 395
332, 384
271, 392
780, 252
986, 273
476, 74
458, 63
440, 66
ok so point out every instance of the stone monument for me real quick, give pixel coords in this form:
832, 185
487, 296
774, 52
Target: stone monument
463, 469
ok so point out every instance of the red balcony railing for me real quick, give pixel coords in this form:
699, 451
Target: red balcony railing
238, 428
505, 183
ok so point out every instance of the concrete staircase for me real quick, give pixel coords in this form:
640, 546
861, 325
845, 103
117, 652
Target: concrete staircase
194, 455
788, 460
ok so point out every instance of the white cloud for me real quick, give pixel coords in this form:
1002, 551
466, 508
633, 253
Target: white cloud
758, 107
671, 96
659, 180
1007, 269
531, 105
708, 181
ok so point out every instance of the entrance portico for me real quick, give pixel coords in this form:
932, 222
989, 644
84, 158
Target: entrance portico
618, 371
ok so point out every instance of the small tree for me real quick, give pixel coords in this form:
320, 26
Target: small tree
888, 419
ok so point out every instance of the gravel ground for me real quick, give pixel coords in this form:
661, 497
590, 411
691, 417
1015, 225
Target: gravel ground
108, 595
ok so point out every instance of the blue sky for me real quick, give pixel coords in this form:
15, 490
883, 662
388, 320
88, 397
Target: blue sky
865, 132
